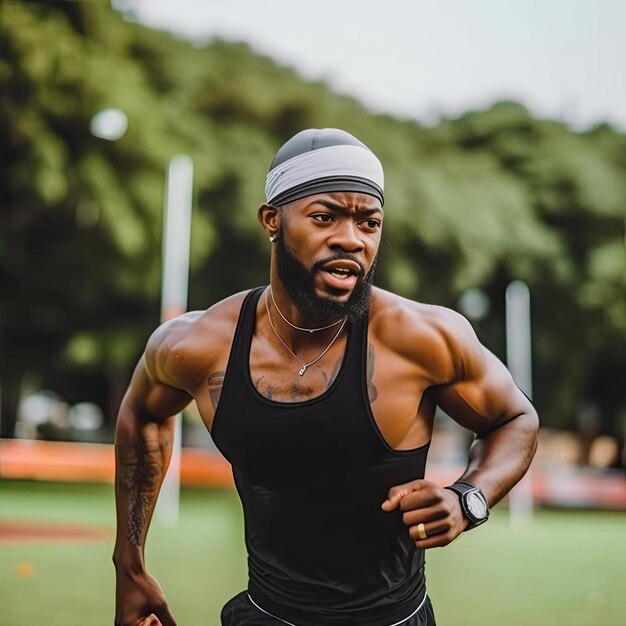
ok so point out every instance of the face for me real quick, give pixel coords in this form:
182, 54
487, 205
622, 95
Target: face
326, 253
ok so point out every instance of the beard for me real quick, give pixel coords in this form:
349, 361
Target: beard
298, 281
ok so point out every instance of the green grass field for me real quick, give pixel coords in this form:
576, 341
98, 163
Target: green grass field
563, 569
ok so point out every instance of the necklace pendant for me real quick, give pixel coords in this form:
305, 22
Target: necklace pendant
301, 372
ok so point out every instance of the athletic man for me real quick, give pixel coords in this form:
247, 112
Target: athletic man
321, 391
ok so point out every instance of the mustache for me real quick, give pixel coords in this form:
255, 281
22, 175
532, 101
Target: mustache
340, 256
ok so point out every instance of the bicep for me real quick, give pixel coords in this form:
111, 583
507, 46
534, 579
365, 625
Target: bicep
485, 397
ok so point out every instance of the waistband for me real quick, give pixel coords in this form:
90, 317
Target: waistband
408, 617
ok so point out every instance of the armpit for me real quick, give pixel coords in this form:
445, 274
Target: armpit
215, 383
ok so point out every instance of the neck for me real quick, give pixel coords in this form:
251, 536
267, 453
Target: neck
299, 331
303, 329
308, 341
291, 314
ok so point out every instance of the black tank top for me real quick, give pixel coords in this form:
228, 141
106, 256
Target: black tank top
312, 477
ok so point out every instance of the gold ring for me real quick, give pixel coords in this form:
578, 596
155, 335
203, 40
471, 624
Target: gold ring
421, 531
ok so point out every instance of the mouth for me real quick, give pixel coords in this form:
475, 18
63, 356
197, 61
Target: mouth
341, 275
343, 267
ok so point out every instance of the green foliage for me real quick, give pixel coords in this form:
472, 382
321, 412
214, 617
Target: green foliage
478, 201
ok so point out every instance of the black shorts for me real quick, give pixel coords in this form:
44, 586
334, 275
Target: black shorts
240, 611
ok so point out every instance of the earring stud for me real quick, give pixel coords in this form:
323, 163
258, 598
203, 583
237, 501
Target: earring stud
272, 238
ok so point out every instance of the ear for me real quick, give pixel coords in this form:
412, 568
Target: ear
269, 218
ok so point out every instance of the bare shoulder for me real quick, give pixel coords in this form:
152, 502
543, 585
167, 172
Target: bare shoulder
182, 350
438, 339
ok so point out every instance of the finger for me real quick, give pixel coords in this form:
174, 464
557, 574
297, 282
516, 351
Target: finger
431, 529
395, 494
421, 499
437, 540
151, 620
427, 514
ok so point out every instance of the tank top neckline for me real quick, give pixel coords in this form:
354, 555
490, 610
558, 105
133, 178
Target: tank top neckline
351, 339
354, 352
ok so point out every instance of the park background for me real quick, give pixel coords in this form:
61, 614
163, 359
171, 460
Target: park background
475, 198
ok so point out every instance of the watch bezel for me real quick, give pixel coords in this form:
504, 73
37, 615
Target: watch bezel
475, 519
463, 490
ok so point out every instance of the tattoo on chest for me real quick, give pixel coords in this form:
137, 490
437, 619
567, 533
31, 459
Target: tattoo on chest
139, 473
266, 390
295, 392
279, 389
372, 392
216, 382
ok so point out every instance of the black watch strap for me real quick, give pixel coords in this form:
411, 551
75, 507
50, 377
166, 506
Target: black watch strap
473, 503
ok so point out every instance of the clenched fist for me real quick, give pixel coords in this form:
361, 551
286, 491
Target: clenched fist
140, 601
432, 514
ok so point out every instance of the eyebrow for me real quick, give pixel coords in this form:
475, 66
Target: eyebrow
339, 208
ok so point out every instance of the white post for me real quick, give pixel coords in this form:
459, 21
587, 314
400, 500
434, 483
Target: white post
175, 279
519, 361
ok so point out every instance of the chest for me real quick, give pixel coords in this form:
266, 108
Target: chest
395, 392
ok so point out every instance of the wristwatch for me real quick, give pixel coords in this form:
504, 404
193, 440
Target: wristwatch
473, 503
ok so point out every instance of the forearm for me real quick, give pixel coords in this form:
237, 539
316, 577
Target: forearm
142, 452
497, 461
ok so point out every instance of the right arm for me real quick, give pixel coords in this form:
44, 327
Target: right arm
143, 446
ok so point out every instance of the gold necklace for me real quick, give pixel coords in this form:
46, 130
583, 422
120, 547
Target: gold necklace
293, 354
304, 330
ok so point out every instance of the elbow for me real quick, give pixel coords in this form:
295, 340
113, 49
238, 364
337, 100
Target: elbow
527, 423
523, 426
526, 427
533, 427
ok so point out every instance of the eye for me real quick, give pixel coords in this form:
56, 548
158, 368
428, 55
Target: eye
371, 224
323, 217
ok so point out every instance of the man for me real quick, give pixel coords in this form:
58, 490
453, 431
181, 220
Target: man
321, 392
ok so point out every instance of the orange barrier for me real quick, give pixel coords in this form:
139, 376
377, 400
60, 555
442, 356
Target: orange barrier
95, 462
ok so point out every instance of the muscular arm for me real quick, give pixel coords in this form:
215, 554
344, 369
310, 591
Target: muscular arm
143, 444
483, 398
477, 391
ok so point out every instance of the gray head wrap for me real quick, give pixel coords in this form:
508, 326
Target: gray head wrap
321, 160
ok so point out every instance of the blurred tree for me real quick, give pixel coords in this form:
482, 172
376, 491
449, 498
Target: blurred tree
576, 186
474, 202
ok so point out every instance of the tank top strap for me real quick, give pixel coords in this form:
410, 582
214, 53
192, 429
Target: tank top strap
355, 358
236, 369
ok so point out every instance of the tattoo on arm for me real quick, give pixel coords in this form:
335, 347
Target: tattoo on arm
216, 381
140, 466
372, 392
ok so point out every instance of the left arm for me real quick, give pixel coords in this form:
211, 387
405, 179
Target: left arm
505, 422
482, 397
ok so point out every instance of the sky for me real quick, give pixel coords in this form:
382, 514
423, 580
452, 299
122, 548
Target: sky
419, 59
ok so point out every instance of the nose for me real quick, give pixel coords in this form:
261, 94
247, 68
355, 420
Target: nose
346, 236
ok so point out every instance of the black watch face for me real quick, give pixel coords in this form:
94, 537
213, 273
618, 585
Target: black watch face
476, 505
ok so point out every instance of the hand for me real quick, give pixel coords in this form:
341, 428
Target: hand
139, 601
438, 509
